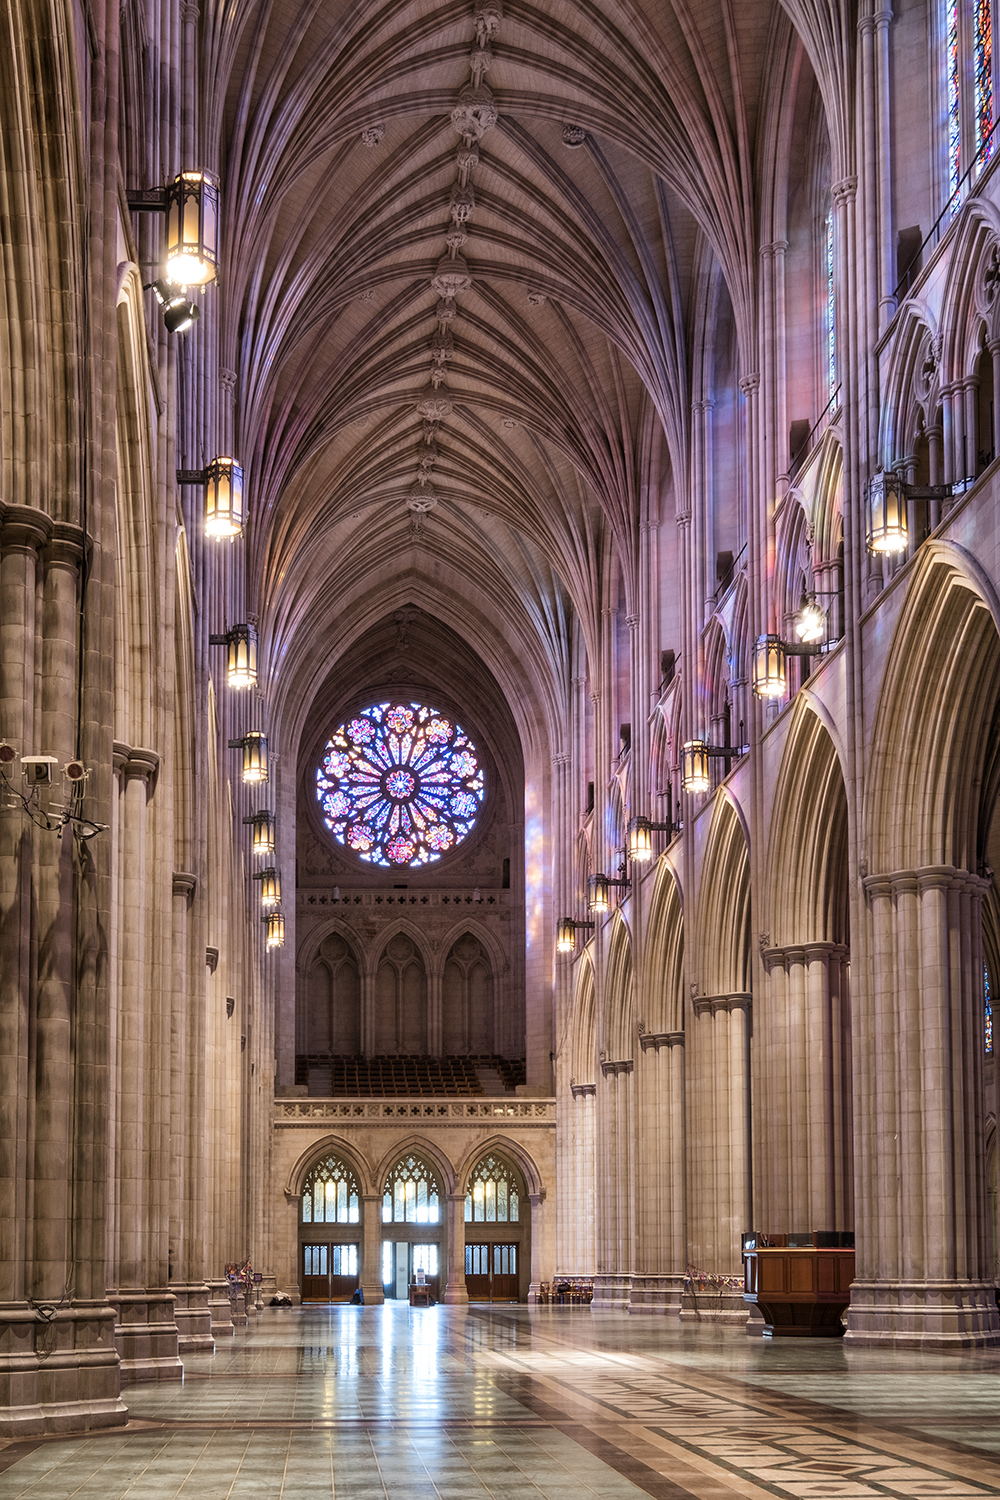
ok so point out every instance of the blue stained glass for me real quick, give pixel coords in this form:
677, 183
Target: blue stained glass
954, 103
987, 1013
984, 75
400, 784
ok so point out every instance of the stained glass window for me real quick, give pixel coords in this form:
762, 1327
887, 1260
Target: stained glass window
954, 102
831, 325
492, 1196
984, 76
400, 784
987, 1012
411, 1194
330, 1194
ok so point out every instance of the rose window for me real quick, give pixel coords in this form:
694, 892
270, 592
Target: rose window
401, 784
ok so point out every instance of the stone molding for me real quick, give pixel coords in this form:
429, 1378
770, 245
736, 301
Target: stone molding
293, 1112
141, 765
650, 1040
713, 1004
798, 953
120, 753
184, 884
25, 529
583, 1090
614, 1068
212, 958
925, 878
65, 547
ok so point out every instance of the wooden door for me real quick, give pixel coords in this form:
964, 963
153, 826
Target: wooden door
491, 1273
329, 1272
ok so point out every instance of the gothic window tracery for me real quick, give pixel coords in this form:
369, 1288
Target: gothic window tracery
411, 1194
493, 1195
330, 1194
400, 784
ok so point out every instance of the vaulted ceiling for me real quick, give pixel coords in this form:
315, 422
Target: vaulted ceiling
464, 244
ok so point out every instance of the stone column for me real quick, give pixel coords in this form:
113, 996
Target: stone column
454, 1292
537, 1243
718, 1132
577, 1187
371, 1269
660, 1218
615, 1185
24, 531
923, 1278
146, 1332
802, 1127
187, 1235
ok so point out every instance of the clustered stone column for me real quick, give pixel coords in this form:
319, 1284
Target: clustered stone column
661, 1217
922, 1272
56, 1346
371, 1270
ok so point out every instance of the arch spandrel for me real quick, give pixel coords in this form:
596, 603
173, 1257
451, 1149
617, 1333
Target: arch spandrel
936, 704
330, 1145
419, 1146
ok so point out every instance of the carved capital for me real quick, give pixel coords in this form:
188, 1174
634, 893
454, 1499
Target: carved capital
184, 884
141, 765
25, 529
212, 959
651, 1041
615, 1069
749, 384
583, 1090
65, 548
844, 191
120, 753
713, 1004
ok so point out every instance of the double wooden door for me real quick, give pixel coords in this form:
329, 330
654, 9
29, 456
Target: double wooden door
329, 1273
491, 1271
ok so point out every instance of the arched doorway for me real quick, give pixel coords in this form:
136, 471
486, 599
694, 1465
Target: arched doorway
413, 1228
330, 1234
497, 1228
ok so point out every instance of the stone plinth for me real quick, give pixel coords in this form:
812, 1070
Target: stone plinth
146, 1336
194, 1319
923, 1315
59, 1374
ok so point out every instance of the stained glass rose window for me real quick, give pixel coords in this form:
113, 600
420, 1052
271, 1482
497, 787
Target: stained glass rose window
400, 784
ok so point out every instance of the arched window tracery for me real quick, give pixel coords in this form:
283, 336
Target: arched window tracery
493, 1193
411, 1194
330, 1194
400, 784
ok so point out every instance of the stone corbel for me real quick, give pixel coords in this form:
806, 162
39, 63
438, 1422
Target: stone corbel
614, 1069
713, 1004
654, 1040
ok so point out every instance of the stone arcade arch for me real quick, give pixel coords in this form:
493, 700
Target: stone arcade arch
802, 1021
498, 1240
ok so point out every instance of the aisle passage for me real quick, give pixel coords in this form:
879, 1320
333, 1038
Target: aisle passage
365, 1403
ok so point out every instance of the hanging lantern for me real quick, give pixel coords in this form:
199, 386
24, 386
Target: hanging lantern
274, 927
769, 667
640, 839
885, 513
565, 935
262, 823
270, 886
597, 892
810, 623
694, 767
223, 498
193, 229
242, 656
254, 747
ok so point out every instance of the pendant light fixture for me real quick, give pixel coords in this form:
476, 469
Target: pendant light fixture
223, 484
270, 886
192, 251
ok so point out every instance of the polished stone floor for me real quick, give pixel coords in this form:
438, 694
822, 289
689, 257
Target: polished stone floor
547, 1403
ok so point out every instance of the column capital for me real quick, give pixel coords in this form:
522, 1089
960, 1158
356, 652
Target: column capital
712, 1004
844, 191
66, 545
25, 529
184, 884
750, 384
120, 753
651, 1041
141, 765
925, 878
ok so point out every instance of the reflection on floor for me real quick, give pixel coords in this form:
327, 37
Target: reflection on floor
562, 1403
